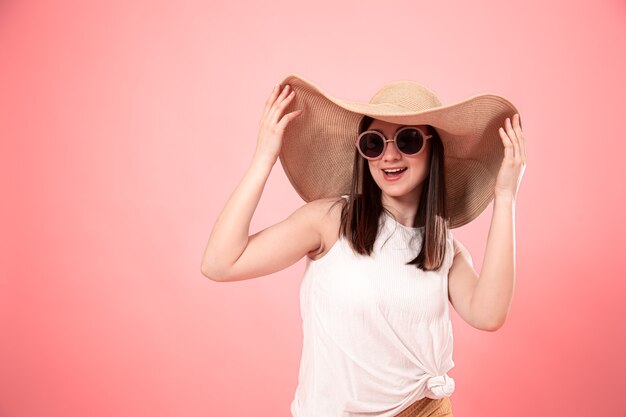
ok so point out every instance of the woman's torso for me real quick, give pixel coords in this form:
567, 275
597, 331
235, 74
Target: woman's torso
377, 334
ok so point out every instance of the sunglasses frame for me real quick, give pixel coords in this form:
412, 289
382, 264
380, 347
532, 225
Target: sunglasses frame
385, 140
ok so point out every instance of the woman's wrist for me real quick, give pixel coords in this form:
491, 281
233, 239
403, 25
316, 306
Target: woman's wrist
504, 198
263, 161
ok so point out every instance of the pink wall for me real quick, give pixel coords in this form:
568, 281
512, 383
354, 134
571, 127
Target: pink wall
125, 126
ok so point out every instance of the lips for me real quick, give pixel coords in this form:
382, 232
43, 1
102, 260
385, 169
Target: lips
394, 177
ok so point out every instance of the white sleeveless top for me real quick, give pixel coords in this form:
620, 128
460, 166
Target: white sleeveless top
377, 332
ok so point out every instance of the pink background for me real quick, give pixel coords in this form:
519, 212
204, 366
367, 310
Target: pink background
125, 126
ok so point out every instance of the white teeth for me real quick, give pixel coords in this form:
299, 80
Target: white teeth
394, 170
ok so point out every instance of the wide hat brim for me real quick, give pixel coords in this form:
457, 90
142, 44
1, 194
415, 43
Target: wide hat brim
318, 146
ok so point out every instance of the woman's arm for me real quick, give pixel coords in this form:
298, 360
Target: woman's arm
494, 290
493, 293
229, 236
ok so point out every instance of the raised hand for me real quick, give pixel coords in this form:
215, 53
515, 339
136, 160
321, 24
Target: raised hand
273, 123
514, 161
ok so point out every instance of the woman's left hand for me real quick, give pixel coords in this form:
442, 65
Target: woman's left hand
514, 161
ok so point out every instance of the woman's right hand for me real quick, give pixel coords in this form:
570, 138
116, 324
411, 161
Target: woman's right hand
273, 123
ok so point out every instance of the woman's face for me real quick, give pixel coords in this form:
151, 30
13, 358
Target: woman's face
409, 183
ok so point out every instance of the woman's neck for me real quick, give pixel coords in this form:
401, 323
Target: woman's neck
403, 208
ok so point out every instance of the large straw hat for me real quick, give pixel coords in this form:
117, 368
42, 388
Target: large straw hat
318, 146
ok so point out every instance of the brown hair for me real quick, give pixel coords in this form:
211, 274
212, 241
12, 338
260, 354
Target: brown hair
360, 213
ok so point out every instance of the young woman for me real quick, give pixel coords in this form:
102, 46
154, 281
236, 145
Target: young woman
384, 181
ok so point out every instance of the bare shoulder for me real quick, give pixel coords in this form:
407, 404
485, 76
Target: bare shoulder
325, 215
459, 248
318, 211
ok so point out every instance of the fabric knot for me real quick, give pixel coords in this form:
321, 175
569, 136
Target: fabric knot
441, 386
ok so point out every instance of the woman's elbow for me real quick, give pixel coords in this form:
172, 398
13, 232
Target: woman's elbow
210, 273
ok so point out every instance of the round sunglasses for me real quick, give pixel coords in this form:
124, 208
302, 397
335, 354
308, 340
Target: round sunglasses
409, 141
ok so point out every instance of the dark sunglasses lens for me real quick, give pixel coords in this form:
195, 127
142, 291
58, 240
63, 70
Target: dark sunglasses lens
371, 145
410, 141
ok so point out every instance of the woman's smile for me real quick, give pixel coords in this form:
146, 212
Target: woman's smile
394, 174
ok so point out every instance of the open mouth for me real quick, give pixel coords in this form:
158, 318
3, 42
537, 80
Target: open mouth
394, 173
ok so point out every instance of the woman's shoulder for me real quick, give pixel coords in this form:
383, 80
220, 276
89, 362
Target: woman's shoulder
327, 214
323, 206
459, 248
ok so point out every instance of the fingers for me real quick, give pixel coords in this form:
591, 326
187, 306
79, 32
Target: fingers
512, 136
509, 149
288, 117
278, 96
513, 139
270, 100
517, 127
275, 97
279, 105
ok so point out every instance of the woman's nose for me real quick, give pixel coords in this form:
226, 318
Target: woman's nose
391, 153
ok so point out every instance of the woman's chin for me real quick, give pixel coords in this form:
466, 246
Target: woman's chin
399, 190
395, 191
